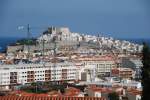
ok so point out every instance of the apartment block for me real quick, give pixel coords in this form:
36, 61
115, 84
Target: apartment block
28, 73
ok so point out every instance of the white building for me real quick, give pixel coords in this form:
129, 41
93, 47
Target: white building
87, 74
62, 33
134, 94
133, 63
102, 64
98, 92
28, 73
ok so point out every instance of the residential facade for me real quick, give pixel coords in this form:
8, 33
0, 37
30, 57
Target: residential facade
133, 63
28, 73
124, 73
102, 64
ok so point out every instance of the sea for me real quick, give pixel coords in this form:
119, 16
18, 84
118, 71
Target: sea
4, 41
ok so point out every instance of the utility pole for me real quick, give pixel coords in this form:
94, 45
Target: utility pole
28, 31
43, 51
89, 72
55, 58
28, 40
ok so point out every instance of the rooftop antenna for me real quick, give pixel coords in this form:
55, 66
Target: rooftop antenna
28, 37
52, 29
43, 50
28, 40
55, 46
89, 72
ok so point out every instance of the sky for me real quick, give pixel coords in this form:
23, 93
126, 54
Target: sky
116, 18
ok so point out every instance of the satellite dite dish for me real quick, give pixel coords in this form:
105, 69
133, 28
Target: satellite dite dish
20, 27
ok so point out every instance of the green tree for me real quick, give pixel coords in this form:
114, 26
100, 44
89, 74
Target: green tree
146, 72
113, 96
33, 84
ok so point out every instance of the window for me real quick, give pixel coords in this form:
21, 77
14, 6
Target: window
97, 95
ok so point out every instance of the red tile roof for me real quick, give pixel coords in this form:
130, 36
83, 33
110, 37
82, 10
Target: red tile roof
134, 92
95, 58
99, 89
71, 91
22, 93
47, 98
54, 93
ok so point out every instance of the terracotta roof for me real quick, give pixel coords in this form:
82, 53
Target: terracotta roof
71, 91
54, 93
48, 98
134, 92
94, 58
22, 93
99, 89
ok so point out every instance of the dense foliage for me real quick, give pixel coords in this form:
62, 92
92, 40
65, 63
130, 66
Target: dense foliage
39, 87
146, 72
45, 87
26, 42
113, 96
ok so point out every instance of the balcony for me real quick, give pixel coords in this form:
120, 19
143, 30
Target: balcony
47, 79
47, 75
13, 77
47, 71
13, 73
13, 81
64, 70
30, 80
30, 72
30, 76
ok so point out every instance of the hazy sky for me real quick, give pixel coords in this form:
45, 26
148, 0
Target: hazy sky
117, 18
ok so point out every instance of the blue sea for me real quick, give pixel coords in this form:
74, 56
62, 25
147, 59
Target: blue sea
4, 41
